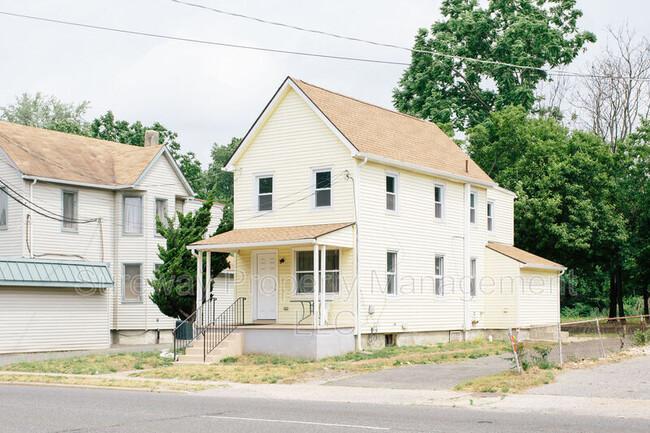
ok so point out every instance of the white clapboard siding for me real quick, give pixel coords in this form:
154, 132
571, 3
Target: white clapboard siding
292, 142
12, 239
42, 319
500, 289
503, 216
223, 290
539, 300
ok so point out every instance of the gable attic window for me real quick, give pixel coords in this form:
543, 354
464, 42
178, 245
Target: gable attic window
161, 211
391, 192
472, 206
4, 208
132, 215
323, 188
70, 211
264, 186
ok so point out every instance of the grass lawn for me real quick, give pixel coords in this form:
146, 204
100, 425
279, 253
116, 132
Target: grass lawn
277, 369
93, 364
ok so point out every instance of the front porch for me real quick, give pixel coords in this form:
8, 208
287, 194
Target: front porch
298, 283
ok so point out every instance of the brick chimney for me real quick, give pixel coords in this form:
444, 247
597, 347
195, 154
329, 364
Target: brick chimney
151, 138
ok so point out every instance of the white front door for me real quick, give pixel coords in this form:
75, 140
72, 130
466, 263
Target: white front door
266, 285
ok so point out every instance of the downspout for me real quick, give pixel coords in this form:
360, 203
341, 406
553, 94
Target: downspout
355, 185
31, 219
466, 252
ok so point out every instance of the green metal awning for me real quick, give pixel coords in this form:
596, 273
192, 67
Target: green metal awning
54, 273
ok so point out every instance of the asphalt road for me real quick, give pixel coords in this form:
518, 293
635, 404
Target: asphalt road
58, 409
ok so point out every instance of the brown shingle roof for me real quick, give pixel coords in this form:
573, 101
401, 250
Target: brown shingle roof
271, 234
521, 256
389, 134
57, 155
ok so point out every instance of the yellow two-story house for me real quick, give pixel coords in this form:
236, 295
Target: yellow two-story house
357, 226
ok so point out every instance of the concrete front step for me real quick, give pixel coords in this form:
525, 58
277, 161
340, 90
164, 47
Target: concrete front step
231, 346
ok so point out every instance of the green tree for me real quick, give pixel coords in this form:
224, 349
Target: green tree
174, 283
565, 186
461, 93
214, 178
48, 112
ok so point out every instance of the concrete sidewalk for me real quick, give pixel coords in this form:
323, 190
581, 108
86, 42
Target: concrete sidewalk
430, 376
11, 358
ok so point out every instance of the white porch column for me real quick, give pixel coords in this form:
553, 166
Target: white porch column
208, 266
316, 287
199, 283
323, 310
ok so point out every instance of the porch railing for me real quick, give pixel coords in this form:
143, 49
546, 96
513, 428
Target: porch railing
223, 325
194, 326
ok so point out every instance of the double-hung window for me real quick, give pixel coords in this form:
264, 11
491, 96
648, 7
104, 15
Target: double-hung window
472, 277
132, 218
132, 282
4, 208
305, 271
391, 272
391, 192
323, 188
264, 186
490, 216
439, 276
70, 211
473, 196
439, 201
161, 211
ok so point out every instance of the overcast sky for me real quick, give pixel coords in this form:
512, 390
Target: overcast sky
209, 94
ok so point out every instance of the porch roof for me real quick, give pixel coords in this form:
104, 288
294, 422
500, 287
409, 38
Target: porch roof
271, 236
526, 259
54, 273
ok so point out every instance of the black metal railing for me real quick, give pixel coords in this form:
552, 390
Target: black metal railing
194, 326
223, 325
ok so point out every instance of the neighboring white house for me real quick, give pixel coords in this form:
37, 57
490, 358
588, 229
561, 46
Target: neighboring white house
78, 213
378, 222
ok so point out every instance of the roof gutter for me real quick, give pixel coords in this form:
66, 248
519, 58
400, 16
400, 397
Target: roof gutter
429, 171
544, 267
71, 182
225, 247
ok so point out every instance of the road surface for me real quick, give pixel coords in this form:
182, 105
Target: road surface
57, 409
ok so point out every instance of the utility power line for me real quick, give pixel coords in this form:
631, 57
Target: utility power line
403, 48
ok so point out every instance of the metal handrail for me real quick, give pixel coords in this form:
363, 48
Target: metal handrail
198, 321
223, 325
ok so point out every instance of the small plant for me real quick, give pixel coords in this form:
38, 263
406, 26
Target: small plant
641, 338
229, 360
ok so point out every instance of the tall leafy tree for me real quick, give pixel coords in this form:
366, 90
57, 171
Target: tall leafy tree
48, 112
461, 93
214, 178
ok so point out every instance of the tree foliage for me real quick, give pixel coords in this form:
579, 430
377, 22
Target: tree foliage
214, 178
43, 111
461, 93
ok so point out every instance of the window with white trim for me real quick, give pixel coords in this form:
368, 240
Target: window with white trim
439, 201
490, 216
323, 188
472, 277
391, 192
391, 272
439, 275
161, 211
4, 208
132, 282
132, 218
69, 201
305, 271
473, 197
264, 189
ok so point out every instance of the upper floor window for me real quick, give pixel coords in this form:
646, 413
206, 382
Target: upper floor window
391, 272
472, 277
439, 275
305, 271
4, 208
473, 197
439, 201
391, 192
490, 216
264, 186
132, 218
70, 211
161, 211
323, 188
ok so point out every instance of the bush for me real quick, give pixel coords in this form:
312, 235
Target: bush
641, 338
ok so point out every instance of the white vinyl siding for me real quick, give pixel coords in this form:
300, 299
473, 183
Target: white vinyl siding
391, 192
391, 272
37, 319
539, 297
503, 216
323, 188
4, 208
70, 210
132, 220
499, 289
